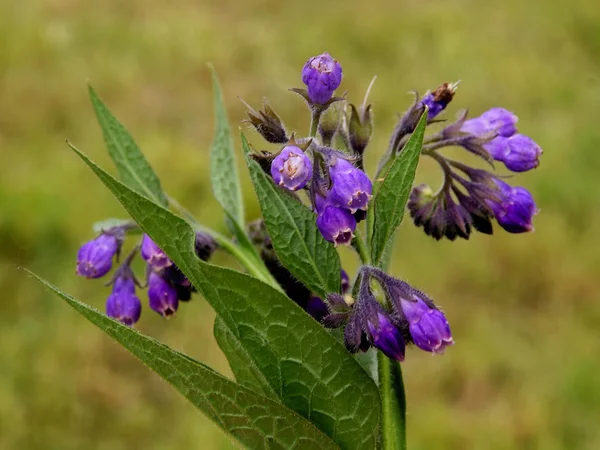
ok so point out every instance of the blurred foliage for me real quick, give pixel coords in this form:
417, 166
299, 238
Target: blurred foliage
525, 310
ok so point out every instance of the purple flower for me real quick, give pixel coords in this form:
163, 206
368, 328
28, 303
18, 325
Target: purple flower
336, 225
345, 281
205, 245
322, 75
122, 304
94, 258
387, 338
437, 100
291, 168
428, 326
515, 209
153, 255
162, 296
519, 153
497, 120
317, 308
352, 188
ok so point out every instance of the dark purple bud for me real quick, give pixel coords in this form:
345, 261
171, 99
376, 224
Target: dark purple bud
498, 120
122, 304
175, 277
519, 153
205, 245
153, 255
161, 295
267, 123
458, 220
336, 225
345, 281
317, 308
322, 75
291, 168
437, 100
387, 338
352, 188
480, 218
94, 258
421, 204
428, 326
515, 209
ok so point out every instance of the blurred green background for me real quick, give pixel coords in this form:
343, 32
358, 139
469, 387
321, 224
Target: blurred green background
525, 310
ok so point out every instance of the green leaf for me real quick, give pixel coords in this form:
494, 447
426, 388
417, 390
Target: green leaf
223, 171
254, 420
133, 168
294, 234
243, 367
391, 196
312, 373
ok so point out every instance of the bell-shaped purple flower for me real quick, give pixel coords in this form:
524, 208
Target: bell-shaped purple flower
352, 188
519, 153
387, 338
515, 208
428, 326
122, 304
94, 258
322, 75
291, 168
437, 100
162, 296
153, 255
498, 120
336, 225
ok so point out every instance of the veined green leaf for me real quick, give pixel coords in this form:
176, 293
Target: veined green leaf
294, 234
243, 367
252, 419
133, 168
223, 171
390, 198
309, 370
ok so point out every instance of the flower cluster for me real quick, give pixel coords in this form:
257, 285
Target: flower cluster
404, 315
167, 285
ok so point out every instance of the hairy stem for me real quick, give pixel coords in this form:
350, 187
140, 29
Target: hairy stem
393, 404
314, 121
361, 247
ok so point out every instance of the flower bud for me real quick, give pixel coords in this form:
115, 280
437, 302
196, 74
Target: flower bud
322, 75
360, 128
352, 188
519, 153
515, 209
175, 277
291, 168
428, 326
153, 255
122, 304
267, 123
336, 225
317, 308
497, 120
387, 338
161, 295
205, 245
94, 258
437, 100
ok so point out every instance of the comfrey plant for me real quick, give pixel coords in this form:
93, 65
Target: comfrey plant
315, 355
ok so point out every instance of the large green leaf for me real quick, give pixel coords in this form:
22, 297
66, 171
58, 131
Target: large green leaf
254, 420
309, 370
391, 196
243, 367
223, 171
133, 168
294, 234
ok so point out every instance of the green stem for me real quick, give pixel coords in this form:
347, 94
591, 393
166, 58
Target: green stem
361, 247
393, 404
314, 121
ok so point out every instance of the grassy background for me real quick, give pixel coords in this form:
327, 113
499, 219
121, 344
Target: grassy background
525, 310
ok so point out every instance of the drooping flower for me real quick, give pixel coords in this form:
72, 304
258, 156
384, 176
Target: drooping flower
162, 296
291, 169
336, 225
94, 258
351, 188
322, 75
122, 304
498, 120
519, 153
386, 337
428, 327
153, 255
515, 208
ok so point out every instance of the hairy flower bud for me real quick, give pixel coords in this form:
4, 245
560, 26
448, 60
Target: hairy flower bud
515, 209
519, 153
387, 338
498, 120
428, 326
122, 304
360, 128
336, 225
291, 168
267, 123
322, 75
153, 255
437, 100
205, 245
352, 188
94, 258
161, 295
